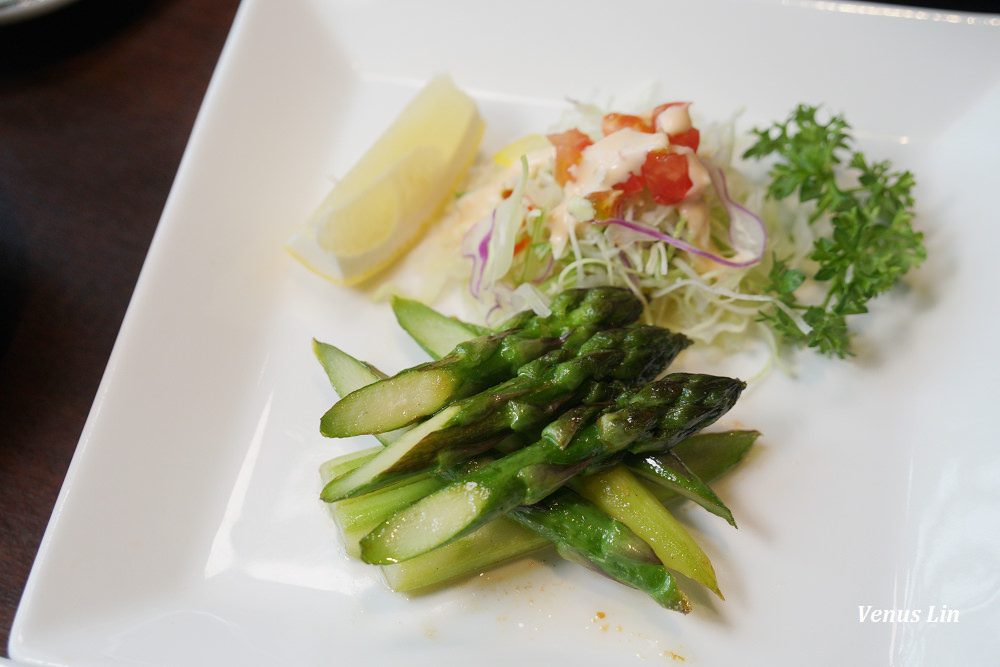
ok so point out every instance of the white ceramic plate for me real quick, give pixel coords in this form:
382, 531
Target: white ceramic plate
189, 531
12, 11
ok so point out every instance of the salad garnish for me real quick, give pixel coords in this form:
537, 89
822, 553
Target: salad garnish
650, 202
870, 244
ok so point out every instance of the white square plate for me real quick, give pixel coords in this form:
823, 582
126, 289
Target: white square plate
189, 530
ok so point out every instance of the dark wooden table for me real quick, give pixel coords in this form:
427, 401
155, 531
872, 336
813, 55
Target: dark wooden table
96, 104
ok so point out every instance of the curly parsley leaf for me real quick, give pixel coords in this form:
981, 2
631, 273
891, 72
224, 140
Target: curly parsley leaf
871, 244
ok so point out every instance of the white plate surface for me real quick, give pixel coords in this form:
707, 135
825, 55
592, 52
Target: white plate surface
189, 531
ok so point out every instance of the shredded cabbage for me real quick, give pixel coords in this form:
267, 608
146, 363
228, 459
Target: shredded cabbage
700, 265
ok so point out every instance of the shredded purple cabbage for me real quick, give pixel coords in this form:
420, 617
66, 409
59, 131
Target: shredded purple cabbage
747, 233
745, 229
547, 273
476, 246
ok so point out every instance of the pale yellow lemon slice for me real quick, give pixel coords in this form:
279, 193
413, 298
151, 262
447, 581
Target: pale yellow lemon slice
513, 151
385, 202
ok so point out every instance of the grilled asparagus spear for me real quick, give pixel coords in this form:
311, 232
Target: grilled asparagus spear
584, 534
579, 530
659, 416
479, 363
619, 493
525, 403
669, 470
437, 334
709, 455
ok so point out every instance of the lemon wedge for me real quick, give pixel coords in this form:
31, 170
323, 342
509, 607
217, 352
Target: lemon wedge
382, 206
513, 151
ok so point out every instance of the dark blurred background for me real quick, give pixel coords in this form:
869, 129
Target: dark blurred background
80, 89
991, 6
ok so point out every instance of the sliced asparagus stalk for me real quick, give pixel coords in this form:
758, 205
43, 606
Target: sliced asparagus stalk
379, 469
494, 544
526, 402
346, 462
710, 455
347, 374
667, 469
356, 517
620, 494
666, 411
422, 390
478, 363
583, 533
436, 333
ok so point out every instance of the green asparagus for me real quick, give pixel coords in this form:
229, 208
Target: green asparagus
618, 536
495, 543
522, 404
709, 455
347, 374
478, 363
583, 533
579, 530
437, 334
422, 390
669, 470
621, 495
663, 413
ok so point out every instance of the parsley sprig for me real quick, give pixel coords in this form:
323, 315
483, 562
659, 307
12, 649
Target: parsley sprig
871, 244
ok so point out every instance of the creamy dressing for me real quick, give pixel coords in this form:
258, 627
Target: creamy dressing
482, 198
602, 165
696, 213
699, 176
612, 159
674, 119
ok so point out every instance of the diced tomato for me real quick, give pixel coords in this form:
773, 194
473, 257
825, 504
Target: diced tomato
666, 176
606, 203
634, 183
569, 149
614, 121
690, 138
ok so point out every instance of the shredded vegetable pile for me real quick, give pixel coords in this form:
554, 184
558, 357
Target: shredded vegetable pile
650, 202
